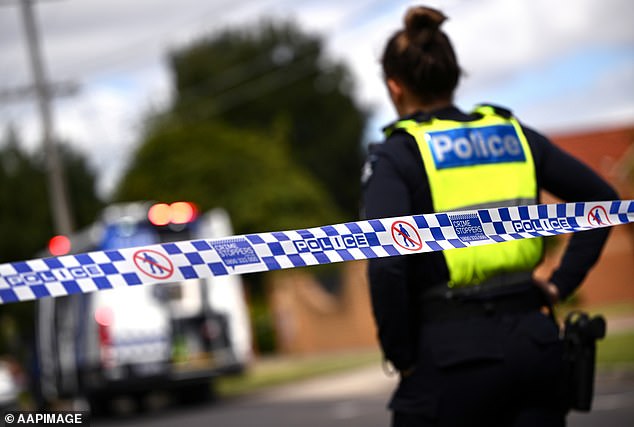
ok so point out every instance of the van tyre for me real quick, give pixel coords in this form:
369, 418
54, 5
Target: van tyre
194, 394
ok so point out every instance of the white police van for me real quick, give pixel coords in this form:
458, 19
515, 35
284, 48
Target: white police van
136, 339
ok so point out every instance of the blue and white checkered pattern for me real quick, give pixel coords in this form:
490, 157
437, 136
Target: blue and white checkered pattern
196, 259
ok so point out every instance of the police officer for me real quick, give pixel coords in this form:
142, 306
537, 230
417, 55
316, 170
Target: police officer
468, 330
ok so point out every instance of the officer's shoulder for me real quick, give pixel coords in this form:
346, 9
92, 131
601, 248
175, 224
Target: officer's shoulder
399, 146
396, 148
505, 112
373, 148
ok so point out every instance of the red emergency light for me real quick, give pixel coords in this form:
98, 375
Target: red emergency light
182, 212
162, 214
59, 245
104, 316
159, 214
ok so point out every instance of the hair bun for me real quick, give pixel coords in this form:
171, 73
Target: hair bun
421, 23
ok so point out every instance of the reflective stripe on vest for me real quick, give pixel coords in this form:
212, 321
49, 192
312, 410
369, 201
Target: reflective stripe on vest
470, 165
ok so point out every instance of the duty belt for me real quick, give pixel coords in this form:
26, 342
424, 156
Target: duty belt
500, 284
522, 299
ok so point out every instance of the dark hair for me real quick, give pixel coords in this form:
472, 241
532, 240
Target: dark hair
421, 57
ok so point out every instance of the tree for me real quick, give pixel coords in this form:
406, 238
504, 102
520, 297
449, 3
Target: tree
253, 78
262, 125
248, 173
25, 220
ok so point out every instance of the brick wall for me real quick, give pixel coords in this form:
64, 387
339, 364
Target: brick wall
310, 319
611, 154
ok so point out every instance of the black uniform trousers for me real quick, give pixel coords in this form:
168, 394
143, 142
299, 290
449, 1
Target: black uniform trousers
494, 369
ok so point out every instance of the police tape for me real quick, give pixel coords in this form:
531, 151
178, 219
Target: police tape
375, 238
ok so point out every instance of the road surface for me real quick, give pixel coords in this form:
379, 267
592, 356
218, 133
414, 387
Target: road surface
352, 399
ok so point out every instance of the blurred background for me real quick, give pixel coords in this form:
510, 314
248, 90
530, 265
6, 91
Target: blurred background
264, 109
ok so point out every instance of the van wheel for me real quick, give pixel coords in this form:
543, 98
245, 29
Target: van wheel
140, 401
100, 406
194, 394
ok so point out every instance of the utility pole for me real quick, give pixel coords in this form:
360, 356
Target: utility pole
58, 198
56, 319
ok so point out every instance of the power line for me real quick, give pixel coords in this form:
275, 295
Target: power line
119, 56
246, 69
255, 88
238, 74
236, 80
57, 89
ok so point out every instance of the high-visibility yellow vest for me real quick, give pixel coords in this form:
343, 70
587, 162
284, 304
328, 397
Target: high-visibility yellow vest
483, 163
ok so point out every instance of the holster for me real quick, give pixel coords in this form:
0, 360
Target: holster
581, 333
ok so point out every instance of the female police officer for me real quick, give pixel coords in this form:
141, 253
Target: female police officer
467, 328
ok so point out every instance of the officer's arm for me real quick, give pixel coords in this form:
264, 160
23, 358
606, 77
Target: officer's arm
386, 195
572, 181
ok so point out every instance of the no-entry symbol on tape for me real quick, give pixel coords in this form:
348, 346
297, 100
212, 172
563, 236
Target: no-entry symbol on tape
406, 236
598, 216
153, 264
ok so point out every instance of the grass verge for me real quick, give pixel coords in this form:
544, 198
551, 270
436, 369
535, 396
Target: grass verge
278, 371
616, 350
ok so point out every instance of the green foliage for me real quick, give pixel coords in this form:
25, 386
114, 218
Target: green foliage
249, 173
274, 72
263, 327
25, 220
81, 184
